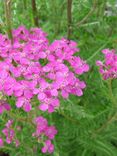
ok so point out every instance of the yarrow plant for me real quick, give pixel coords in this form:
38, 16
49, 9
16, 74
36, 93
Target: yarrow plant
42, 129
108, 69
9, 133
31, 68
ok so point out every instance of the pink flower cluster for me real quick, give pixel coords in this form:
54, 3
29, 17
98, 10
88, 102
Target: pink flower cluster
4, 106
43, 130
9, 133
108, 69
30, 66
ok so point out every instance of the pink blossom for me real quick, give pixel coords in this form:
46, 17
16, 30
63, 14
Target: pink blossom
32, 68
108, 69
4, 106
9, 133
42, 128
17, 143
1, 142
24, 74
48, 147
51, 132
23, 102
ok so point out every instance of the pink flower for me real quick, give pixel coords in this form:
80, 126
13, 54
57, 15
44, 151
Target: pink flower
4, 106
9, 86
9, 123
79, 65
48, 147
9, 133
1, 142
42, 129
25, 103
17, 143
24, 88
49, 104
31, 68
51, 132
108, 69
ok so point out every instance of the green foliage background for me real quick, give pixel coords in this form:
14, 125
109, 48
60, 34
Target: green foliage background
86, 126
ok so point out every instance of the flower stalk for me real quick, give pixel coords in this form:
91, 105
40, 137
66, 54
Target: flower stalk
69, 18
7, 4
111, 93
34, 11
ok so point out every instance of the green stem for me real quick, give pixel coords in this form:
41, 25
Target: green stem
7, 4
108, 122
111, 93
56, 147
25, 4
69, 18
34, 11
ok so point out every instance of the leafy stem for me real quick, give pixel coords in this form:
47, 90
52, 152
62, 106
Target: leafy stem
111, 117
68, 117
21, 119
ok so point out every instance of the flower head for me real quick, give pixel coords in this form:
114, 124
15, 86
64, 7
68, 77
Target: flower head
4, 106
108, 68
